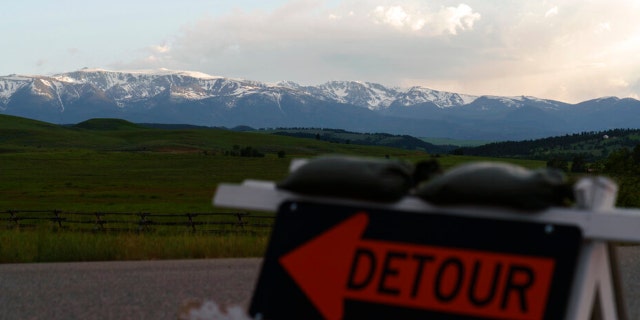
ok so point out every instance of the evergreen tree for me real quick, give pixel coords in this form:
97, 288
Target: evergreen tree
578, 164
558, 163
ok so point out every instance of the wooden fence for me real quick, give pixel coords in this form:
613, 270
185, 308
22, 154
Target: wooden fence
210, 222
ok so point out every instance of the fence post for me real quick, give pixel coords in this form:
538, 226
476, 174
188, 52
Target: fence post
99, 221
143, 223
14, 218
193, 225
240, 222
57, 218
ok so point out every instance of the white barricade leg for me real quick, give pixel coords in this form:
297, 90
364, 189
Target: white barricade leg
594, 278
584, 284
605, 287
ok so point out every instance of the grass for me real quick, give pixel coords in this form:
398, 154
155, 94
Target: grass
96, 181
43, 245
137, 182
152, 182
115, 166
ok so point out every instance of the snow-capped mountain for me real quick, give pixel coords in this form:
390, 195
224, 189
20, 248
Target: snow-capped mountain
364, 94
125, 86
166, 96
378, 97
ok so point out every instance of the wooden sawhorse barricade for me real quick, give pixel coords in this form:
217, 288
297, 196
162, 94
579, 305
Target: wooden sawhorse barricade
335, 258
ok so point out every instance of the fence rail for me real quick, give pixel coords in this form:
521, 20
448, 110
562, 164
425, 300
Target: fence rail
212, 222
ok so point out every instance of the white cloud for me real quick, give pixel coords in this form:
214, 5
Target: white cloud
603, 27
461, 17
446, 20
588, 49
551, 12
572, 58
394, 16
161, 48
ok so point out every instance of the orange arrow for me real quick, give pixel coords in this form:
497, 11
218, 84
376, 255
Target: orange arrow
339, 265
321, 277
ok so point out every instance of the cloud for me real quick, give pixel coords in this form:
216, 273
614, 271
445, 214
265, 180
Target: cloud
446, 20
603, 27
164, 48
551, 12
461, 17
312, 42
394, 16
576, 56
571, 51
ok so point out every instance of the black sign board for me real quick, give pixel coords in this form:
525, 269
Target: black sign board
339, 262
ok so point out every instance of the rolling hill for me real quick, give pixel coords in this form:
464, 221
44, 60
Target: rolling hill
21, 134
26, 135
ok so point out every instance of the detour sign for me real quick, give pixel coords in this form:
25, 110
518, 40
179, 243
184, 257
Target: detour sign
348, 270
425, 277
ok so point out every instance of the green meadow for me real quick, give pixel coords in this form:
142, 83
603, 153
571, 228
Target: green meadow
162, 182
114, 166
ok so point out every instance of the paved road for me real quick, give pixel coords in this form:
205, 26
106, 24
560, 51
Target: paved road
629, 262
121, 290
157, 289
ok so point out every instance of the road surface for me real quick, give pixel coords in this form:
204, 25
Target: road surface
121, 289
158, 289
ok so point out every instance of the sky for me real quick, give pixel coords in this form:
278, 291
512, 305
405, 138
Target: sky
567, 50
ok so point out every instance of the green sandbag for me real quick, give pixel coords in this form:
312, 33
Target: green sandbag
497, 184
350, 177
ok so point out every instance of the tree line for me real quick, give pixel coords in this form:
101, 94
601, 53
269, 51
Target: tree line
622, 165
249, 151
565, 147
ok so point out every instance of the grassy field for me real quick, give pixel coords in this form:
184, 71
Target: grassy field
124, 181
115, 166
154, 182
42, 245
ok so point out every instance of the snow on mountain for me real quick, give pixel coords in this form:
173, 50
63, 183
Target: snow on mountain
9, 85
86, 73
378, 97
365, 94
124, 87
441, 99
520, 101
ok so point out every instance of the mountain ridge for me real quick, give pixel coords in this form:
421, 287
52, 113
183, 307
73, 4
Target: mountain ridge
167, 96
112, 82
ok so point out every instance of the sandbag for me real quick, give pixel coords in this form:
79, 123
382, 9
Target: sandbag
497, 184
351, 177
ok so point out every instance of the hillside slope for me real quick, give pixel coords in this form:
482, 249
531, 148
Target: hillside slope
25, 135
590, 145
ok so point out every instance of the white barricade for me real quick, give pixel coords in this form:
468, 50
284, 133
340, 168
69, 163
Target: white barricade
598, 222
